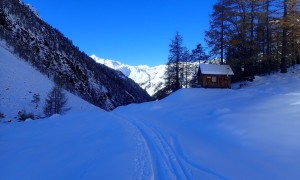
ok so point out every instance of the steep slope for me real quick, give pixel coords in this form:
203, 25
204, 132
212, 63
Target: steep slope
149, 78
54, 55
20, 81
249, 133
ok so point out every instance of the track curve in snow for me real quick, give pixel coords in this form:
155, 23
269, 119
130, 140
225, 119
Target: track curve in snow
162, 155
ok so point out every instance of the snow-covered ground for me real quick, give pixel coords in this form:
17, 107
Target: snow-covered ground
149, 78
19, 81
248, 133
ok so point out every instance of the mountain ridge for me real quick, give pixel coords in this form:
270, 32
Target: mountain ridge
48, 50
149, 78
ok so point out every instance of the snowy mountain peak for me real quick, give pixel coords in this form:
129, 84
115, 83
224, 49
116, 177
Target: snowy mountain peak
110, 63
149, 78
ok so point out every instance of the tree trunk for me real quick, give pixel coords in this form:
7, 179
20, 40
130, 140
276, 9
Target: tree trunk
222, 33
284, 40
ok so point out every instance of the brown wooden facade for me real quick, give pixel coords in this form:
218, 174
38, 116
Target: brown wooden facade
215, 76
215, 81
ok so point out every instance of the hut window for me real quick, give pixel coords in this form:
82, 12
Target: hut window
214, 79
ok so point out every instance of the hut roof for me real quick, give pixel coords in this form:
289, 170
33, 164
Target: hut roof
213, 69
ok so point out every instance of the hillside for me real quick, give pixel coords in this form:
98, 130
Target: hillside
54, 55
149, 78
241, 133
20, 81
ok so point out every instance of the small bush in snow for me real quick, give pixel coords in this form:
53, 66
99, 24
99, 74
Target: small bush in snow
2, 115
23, 115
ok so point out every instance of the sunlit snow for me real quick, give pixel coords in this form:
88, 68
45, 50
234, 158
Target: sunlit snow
149, 78
248, 133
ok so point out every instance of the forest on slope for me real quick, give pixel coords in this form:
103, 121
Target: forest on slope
53, 54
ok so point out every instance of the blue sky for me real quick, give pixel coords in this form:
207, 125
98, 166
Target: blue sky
134, 32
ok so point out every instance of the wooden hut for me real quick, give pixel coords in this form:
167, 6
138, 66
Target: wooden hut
215, 76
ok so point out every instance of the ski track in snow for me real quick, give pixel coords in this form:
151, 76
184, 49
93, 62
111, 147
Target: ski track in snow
166, 163
143, 167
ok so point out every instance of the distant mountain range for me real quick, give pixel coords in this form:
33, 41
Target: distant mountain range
149, 78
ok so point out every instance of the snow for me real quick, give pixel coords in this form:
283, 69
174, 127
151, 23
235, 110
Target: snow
149, 78
241, 133
152, 79
214, 69
19, 82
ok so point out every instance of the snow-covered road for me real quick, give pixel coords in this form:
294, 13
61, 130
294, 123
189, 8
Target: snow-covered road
160, 156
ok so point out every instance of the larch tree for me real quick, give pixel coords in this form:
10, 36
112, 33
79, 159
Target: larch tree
283, 65
293, 35
56, 102
215, 37
255, 36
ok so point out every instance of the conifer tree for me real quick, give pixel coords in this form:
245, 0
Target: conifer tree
198, 54
187, 66
174, 64
283, 66
216, 36
56, 102
256, 36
